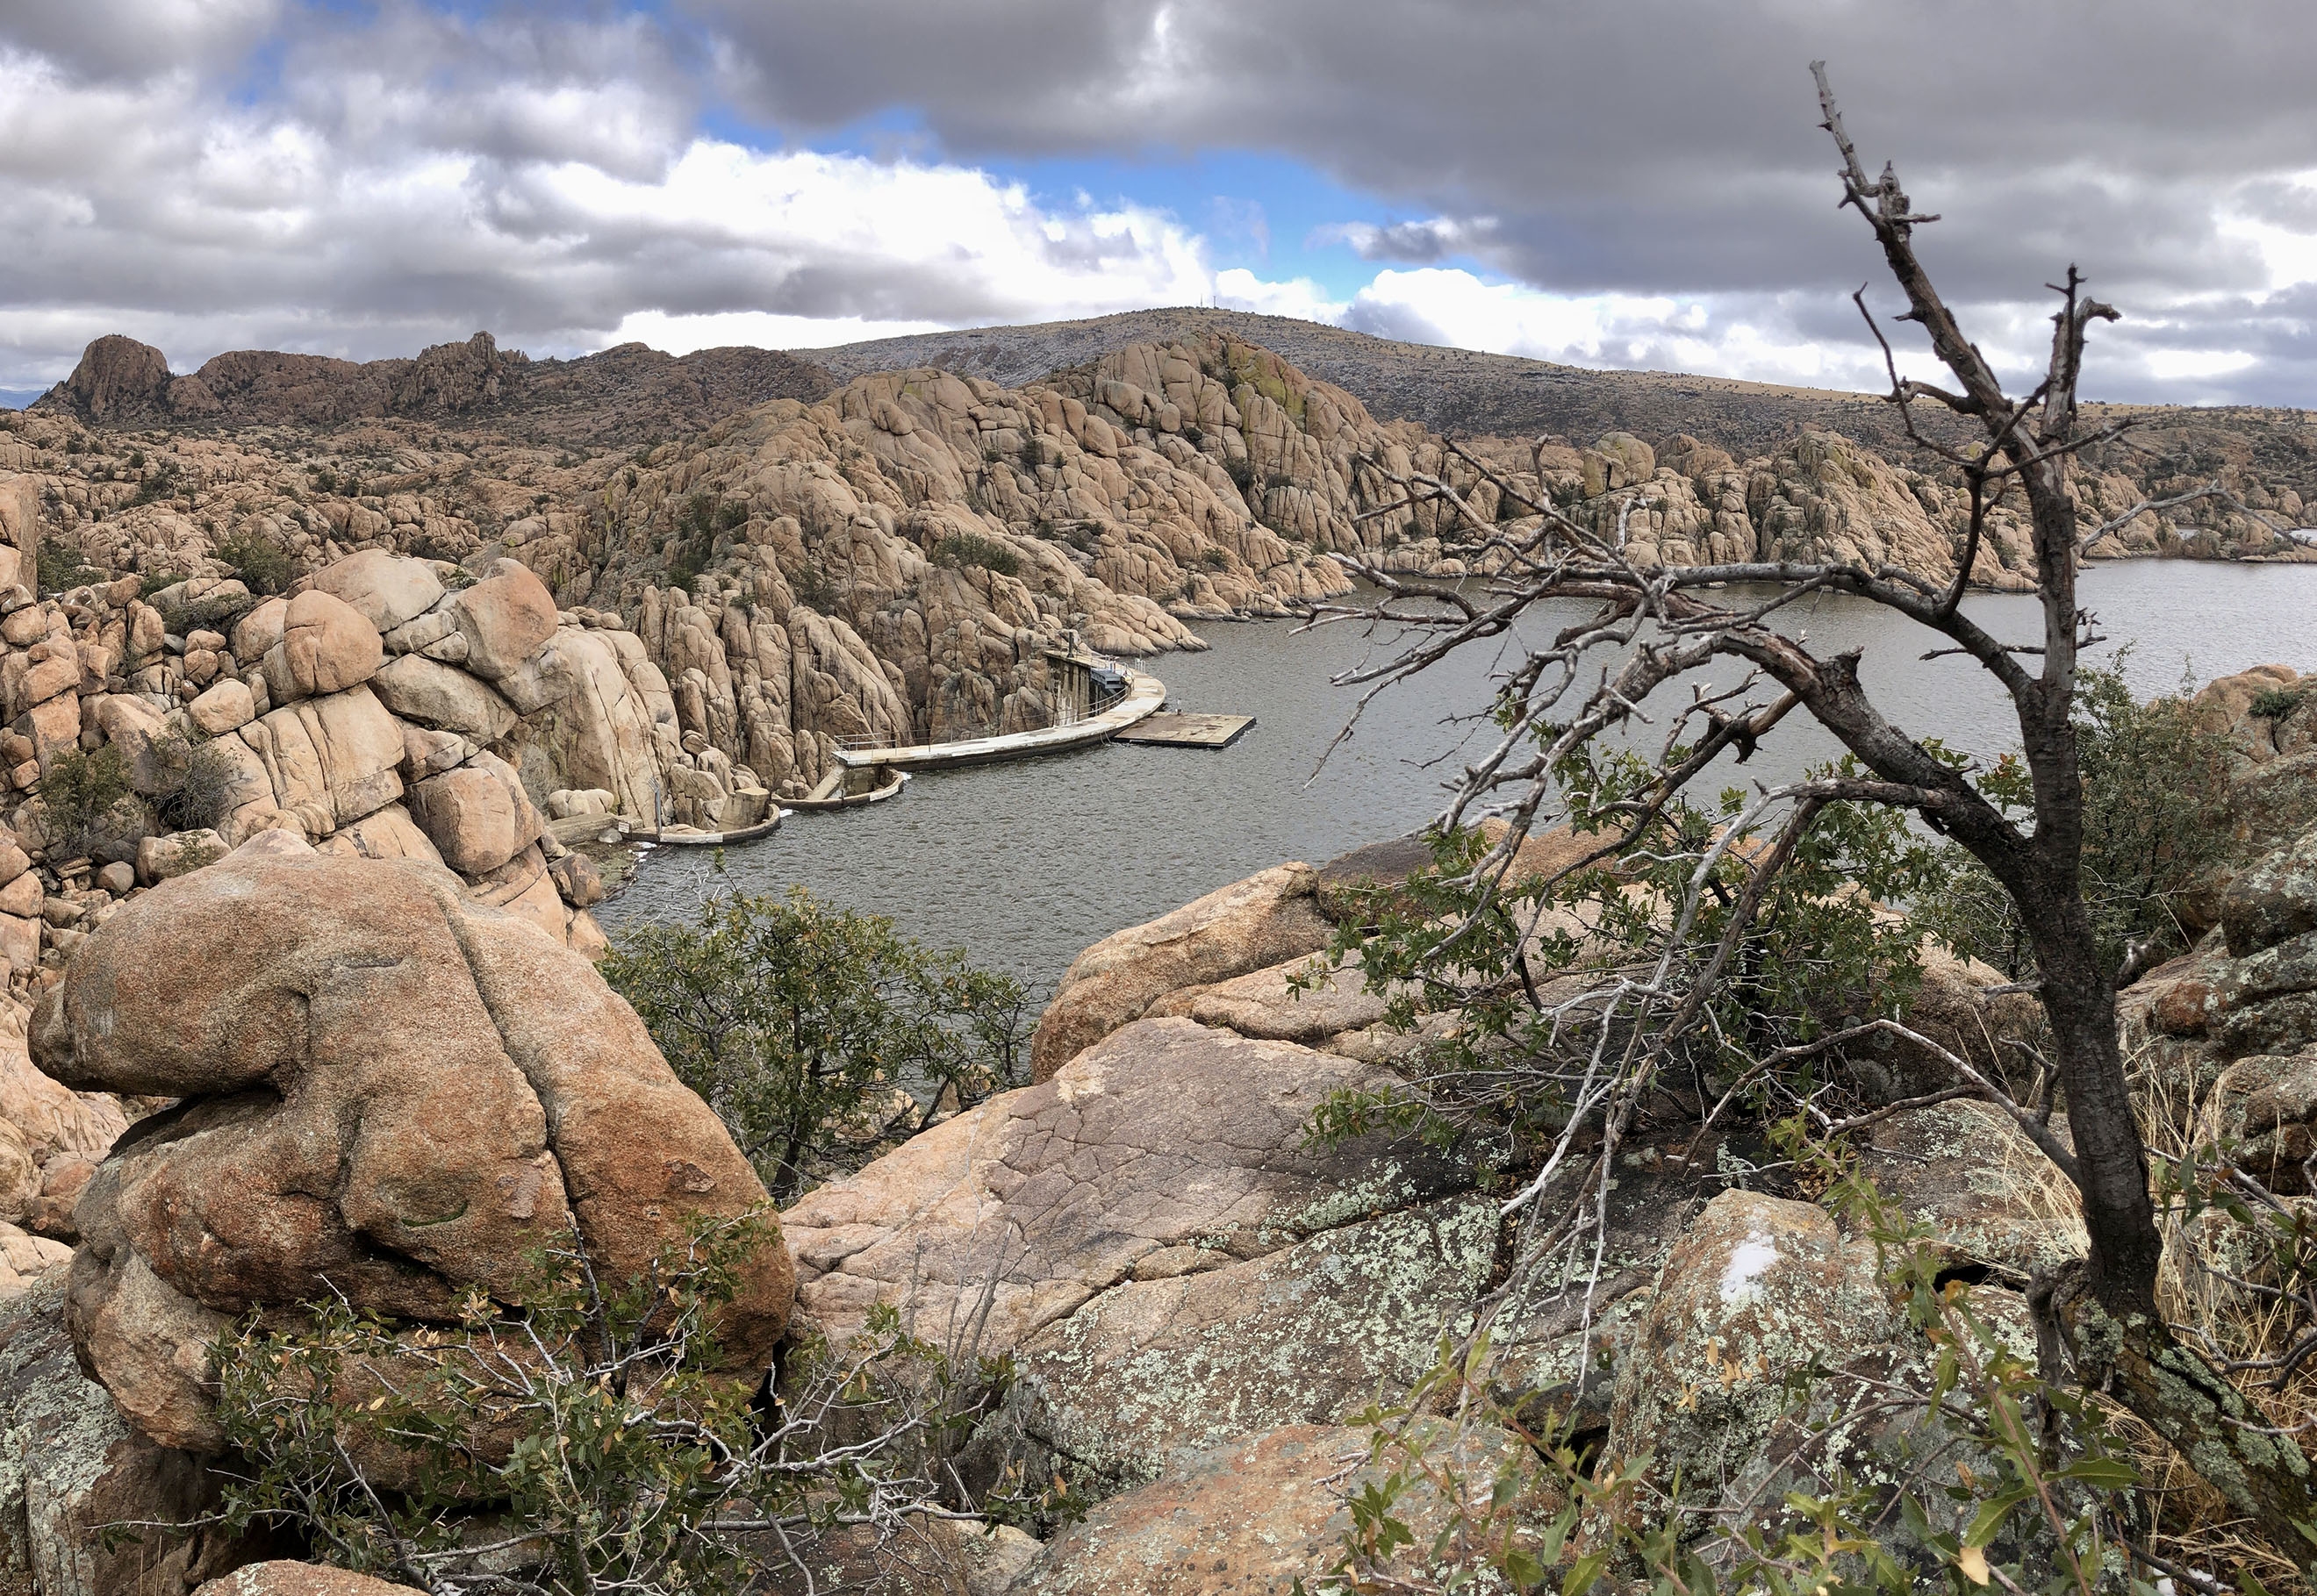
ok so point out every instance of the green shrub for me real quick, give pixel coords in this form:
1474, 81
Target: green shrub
1815, 956
623, 1455
58, 566
814, 588
264, 566
2275, 703
90, 799
798, 1023
195, 780
2157, 796
965, 551
161, 485
701, 526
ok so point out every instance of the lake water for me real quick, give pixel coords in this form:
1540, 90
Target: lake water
1025, 863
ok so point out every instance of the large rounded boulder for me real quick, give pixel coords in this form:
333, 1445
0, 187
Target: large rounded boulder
389, 1092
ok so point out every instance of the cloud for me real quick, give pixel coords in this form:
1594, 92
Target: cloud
1239, 289
1658, 147
433, 175
1641, 184
1412, 244
117, 38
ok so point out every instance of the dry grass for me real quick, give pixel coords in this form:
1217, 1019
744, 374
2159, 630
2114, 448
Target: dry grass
2190, 1522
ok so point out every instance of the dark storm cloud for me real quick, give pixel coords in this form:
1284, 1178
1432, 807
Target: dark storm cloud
1671, 127
1654, 146
1413, 244
360, 180
128, 38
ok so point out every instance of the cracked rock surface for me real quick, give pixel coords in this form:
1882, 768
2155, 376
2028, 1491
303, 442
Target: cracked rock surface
1152, 1370
1164, 1145
1250, 1515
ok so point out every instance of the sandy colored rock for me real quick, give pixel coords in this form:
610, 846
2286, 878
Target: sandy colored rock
390, 834
390, 1090
578, 880
326, 646
118, 378
527, 890
20, 517
477, 815
506, 618
222, 707
433, 694
47, 1131
1250, 925
284, 1578
256, 633
387, 589
19, 942
163, 858
603, 727
327, 761
1165, 1135
1301, 1001
1251, 1515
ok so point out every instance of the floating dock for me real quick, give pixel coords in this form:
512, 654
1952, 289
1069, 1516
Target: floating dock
1144, 695
1175, 730
835, 791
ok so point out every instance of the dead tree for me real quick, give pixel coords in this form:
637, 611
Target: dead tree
1649, 628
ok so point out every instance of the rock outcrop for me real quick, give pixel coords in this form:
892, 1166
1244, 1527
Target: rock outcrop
1193, 1295
437, 737
1167, 1149
75, 1476
386, 1090
630, 390
1252, 1514
1269, 919
891, 561
284, 1578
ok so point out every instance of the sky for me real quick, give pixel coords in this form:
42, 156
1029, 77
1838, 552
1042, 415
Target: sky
1639, 184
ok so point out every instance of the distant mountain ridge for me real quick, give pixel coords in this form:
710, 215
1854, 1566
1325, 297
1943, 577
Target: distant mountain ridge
1449, 390
630, 394
623, 394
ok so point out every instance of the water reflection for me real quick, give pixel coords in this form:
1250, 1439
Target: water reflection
1027, 864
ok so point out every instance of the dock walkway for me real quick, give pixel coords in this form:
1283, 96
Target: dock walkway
1145, 694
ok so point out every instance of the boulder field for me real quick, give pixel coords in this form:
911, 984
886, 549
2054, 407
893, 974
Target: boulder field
385, 707
376, 1085
293, 1067
352, 1074
890, 558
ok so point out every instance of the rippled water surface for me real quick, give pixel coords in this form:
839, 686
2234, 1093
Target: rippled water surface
1026, 863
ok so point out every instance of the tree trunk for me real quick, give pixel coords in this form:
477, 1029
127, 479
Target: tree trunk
2263, 1476
2104, 1309
2079, 1001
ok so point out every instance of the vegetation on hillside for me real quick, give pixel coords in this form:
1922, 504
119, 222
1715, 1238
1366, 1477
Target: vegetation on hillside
819, 1034
593, 1422
2157, 824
